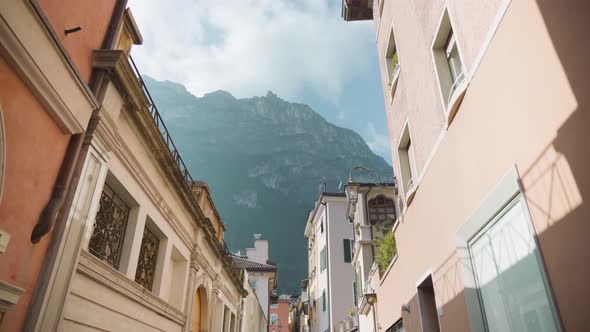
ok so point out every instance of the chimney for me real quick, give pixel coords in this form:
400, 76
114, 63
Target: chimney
259, 253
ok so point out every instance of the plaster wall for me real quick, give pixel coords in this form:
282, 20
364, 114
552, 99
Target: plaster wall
526, 105
35, 147
262, 291
93, 17
322, 318
253, 317
341, 273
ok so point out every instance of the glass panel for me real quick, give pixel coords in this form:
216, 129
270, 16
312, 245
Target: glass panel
455, 66
110, 224
509, 275
146, 264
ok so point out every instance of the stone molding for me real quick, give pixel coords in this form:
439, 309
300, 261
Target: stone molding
100, 272
9, 296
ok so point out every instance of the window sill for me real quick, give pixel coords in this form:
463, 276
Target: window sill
410, 193
393, 83
454, 102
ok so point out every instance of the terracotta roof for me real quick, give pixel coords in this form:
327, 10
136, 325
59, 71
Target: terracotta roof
248, 265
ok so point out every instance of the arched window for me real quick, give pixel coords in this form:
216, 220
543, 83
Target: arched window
381, 209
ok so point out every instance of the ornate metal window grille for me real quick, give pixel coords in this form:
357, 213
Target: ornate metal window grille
148, 254
110, 225
381, 210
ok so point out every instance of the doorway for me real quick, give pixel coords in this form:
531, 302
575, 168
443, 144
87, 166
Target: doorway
427, 306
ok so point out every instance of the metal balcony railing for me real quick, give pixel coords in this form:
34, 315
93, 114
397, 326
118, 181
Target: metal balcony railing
153, 109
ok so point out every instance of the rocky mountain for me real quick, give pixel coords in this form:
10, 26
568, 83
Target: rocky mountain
264, 159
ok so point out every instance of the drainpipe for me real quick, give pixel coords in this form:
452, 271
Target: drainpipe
64, 190
71, 169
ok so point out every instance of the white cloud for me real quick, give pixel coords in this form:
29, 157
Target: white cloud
250, 46
377, 142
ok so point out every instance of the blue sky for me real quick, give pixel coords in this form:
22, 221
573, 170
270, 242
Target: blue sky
301, 50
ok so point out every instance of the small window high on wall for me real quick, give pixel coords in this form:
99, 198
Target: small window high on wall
392, 63
407, 161
450, 70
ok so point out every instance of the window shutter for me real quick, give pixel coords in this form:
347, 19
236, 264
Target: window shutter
324, 300
347, 251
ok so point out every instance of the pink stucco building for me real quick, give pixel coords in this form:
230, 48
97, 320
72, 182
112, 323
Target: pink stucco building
487, 108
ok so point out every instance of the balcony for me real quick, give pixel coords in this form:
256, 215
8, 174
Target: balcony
350, 323
357, 10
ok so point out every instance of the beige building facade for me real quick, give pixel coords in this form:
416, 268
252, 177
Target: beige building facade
488, 114
142, 248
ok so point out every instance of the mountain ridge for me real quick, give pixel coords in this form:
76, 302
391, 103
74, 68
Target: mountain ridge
263, 158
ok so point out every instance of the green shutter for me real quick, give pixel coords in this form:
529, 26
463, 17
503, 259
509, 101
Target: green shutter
324, 300
347, 255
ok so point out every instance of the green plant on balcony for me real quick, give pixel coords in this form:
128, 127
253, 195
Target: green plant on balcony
386, 250
394, 61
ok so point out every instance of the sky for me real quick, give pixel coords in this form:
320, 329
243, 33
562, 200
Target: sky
301, 50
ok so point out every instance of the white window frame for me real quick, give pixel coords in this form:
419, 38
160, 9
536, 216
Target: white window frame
406, 155
392, 73
451, 93
274, 317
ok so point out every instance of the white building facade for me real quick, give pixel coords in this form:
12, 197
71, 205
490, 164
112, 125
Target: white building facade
373, 211
331, 275
261, 274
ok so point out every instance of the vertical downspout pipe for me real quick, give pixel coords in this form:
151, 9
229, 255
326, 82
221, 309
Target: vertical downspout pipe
70, 169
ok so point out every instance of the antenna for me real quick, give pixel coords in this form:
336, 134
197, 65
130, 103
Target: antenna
322, 186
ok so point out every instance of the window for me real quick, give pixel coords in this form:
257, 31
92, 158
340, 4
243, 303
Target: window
253, 284
453, 60
397, 327
348, 247
381, 210
502, 264
110, 225
358, 284
178, 278
407, 164
391, 59
324, 300
354, 293
273, 319
322, 226
274, 305
323, 259
148, 254
510, 282
449, 66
